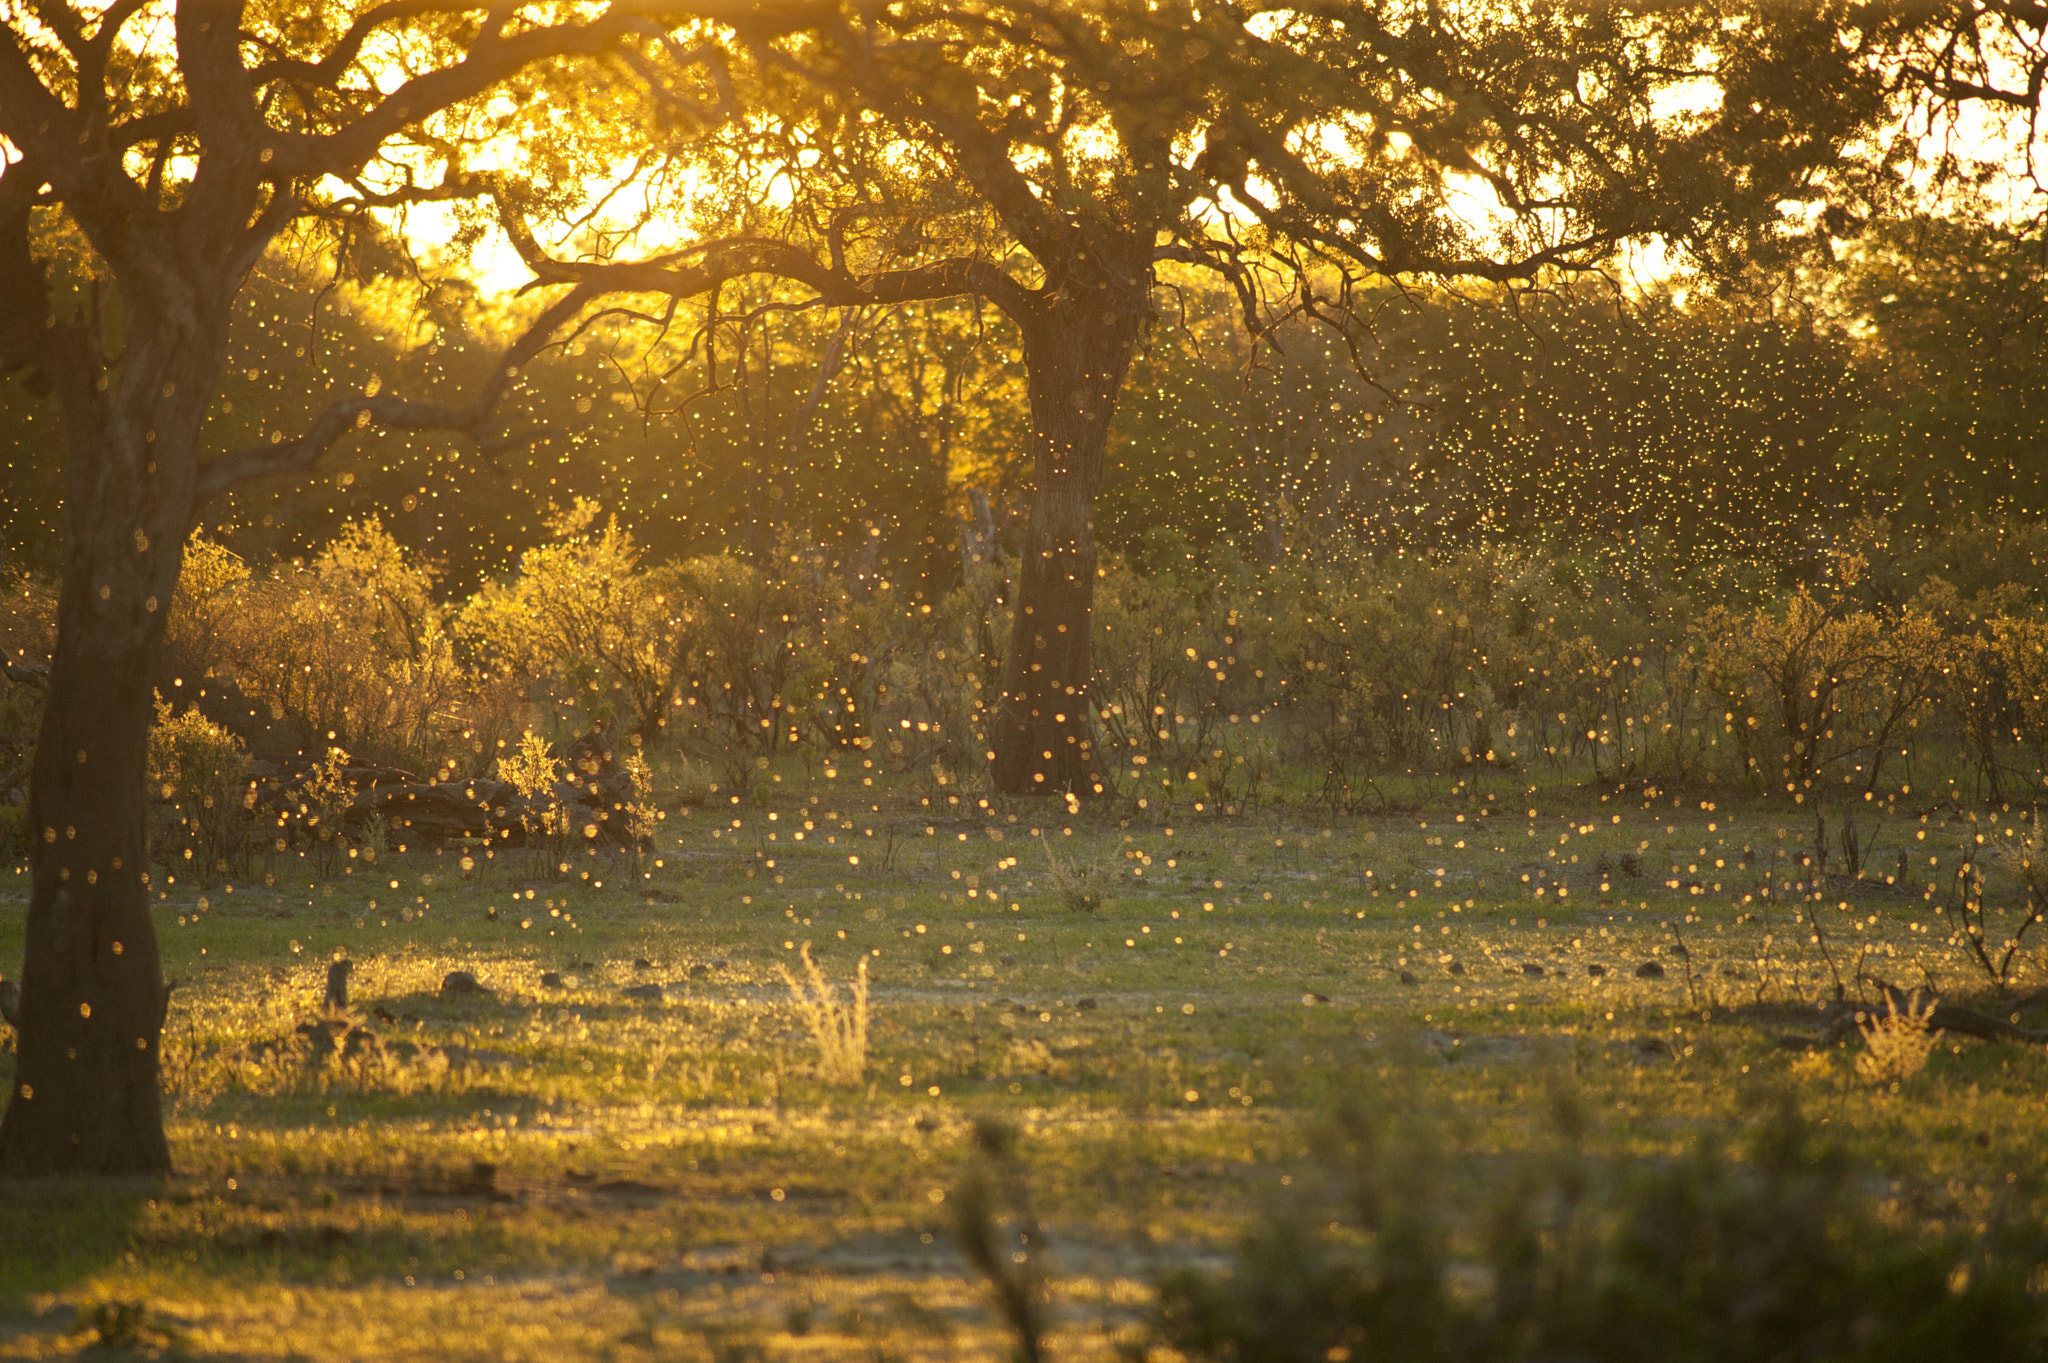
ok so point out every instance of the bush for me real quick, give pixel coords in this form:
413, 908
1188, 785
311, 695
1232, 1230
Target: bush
28, 630
14, 833
28, 617
1341, 672
200, 774
350, 649
584, 622
1405, 1252
208, 613
739, 691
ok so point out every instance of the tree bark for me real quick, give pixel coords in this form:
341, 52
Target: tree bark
86, 1097
1076, 355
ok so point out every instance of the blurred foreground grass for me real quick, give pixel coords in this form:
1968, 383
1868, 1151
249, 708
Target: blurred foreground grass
622, 1149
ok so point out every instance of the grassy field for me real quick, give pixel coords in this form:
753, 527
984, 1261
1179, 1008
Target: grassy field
625, 1148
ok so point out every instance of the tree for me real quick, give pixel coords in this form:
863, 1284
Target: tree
178, 148
1060, 160
1951, 313
1704, 428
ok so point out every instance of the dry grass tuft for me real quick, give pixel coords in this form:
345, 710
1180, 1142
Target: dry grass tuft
839, 1031
1898, 1043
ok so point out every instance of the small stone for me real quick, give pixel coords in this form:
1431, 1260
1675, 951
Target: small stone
1085, 1005
1006, 960
1596, 970
1408, 977
699, 971
1649, 970
642, 963
460, 982
1457, 967
1531, 968
550, 979
651, 992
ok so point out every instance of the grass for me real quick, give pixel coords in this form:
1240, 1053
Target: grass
564, 1168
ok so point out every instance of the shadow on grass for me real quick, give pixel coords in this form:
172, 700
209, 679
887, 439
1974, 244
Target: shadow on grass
60, 1232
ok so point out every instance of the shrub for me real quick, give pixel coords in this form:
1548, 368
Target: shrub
740, 698
585, 621
349, 649
1406, 1251
319, 808
1341, 670
204, 625
1897, 1042
200, 773
14, 832
28, 630
28, 617
533, 771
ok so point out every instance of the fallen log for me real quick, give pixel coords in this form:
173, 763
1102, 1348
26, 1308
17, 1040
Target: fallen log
1953, 1017
1842, 1019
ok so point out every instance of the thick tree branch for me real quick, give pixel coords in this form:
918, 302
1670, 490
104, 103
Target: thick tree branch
301, 454
216, 83
31, 337
494, 58
329, 69
718, 265
344, 152
31, 117
732, 258
982, 157
391, 412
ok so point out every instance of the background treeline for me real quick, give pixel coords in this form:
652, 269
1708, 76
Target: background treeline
1767, 542
1353, 677
1907, 383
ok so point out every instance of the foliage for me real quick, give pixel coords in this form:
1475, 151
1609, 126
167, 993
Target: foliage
1219, 682
1771, 1254
208, 612
350, 649
582, 619
28, 617
320, 805
1950, 312
1897, 1042
534, 773
1586, 416
200, 773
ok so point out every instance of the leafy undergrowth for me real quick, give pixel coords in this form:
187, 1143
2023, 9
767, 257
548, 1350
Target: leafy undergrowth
625, 1145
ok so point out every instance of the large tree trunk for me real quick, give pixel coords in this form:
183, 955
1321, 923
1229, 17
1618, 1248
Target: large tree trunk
1076, 355
85, 1098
